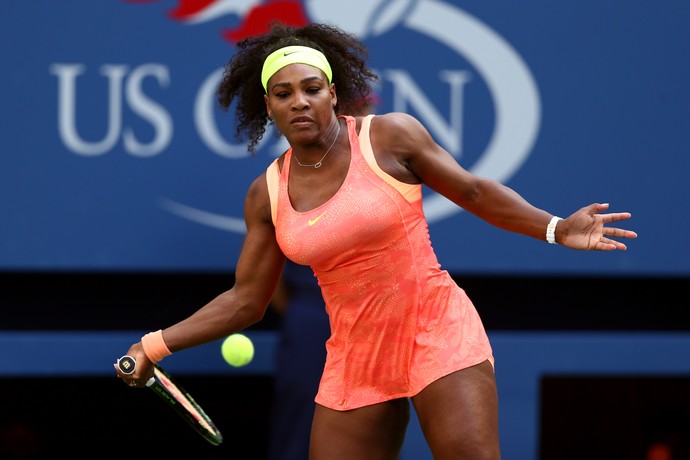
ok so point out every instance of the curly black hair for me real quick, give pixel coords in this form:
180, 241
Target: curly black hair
241, 80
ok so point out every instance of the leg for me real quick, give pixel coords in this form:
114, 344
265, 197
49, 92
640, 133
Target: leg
458, 415
373, 432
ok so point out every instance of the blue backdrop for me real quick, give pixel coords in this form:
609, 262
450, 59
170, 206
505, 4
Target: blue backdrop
114, 155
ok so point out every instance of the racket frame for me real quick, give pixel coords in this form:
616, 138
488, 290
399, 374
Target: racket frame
161, 384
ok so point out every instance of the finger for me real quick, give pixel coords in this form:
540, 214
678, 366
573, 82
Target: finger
615, 217
607, 244
619, 232
601, 206
119, 373
594, 208
132, 382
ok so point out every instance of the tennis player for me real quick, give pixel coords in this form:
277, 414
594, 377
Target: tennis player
346, 200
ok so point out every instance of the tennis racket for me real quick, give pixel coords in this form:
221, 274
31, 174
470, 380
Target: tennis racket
181, 401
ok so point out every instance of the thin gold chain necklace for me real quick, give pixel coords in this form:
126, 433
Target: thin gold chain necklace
317, 165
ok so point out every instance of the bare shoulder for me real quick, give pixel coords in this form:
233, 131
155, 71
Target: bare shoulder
397, 138
394, 121
259, 187
257, 204
400, 135
399, 128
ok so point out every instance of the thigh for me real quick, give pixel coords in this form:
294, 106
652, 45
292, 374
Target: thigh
458, 414
373, 432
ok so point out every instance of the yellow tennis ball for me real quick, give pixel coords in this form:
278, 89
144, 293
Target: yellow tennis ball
237, 350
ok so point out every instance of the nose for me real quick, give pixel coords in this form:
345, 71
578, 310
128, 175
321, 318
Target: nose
300, 101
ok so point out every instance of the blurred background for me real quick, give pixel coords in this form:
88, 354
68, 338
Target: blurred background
122, 187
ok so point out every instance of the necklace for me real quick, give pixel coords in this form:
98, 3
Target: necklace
317, 165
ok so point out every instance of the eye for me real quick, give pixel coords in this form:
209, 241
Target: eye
313, 89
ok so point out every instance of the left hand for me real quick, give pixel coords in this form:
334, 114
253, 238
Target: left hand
586, 229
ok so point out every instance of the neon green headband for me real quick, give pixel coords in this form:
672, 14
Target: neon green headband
294, 55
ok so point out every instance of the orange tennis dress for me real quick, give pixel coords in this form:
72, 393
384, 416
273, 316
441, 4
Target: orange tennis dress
398, 321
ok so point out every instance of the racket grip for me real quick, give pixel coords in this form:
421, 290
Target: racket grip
128, 365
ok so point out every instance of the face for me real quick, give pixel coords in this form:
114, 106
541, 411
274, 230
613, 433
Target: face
301, 103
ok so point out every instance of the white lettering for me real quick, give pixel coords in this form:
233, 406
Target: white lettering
136, 99
67, 96
407, 93
148, 110
204, 109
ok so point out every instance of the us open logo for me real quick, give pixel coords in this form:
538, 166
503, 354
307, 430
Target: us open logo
490, 59
513, 91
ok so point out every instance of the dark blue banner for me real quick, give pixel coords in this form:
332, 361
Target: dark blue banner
115, 156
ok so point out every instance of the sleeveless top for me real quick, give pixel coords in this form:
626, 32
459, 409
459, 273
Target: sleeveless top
398, 321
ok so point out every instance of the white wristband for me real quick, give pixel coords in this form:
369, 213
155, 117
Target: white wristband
551, 230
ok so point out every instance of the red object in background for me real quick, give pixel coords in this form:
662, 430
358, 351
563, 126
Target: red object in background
260, 18
188, 8
256, 21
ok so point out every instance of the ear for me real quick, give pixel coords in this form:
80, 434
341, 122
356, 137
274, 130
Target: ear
334, 96
268, 109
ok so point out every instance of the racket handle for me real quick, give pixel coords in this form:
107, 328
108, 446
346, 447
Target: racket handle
128, 365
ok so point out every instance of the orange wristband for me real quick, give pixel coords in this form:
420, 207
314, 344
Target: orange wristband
154, 346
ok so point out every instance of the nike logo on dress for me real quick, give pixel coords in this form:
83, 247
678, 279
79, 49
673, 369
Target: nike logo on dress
315, 220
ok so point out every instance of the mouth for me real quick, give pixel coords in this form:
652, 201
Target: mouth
301, 121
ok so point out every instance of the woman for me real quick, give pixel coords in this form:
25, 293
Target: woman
346, 199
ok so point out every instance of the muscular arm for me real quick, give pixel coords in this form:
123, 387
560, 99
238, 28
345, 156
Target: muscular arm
406, 150
257, 274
